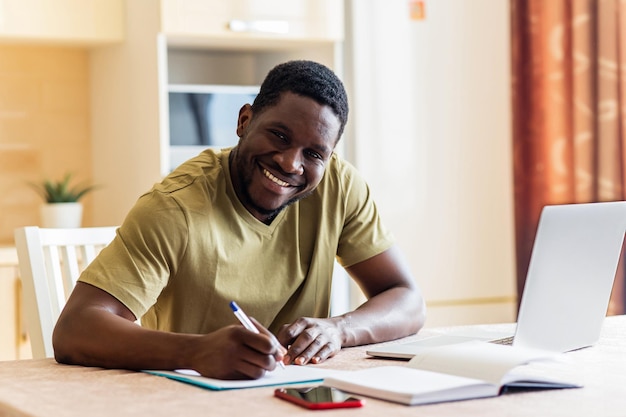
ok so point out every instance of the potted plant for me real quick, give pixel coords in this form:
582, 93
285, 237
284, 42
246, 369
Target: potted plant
62, 207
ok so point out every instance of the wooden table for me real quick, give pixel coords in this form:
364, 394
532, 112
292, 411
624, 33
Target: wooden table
45, 388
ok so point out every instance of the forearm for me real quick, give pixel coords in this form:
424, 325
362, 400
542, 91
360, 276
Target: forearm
395, 307
100, 338
392, 314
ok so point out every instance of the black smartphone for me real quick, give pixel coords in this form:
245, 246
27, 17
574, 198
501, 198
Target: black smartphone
318, 398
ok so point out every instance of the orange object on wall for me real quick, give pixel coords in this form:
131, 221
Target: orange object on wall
417, 9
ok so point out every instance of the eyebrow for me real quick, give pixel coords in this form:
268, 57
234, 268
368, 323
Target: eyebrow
323, 149
318, 147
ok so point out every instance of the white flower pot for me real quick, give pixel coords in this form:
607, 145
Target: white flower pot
62, 215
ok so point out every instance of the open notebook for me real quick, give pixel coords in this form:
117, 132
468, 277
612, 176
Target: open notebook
452, 373
568, 285
292, 374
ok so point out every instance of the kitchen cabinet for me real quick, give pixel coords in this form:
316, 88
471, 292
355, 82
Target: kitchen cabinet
86, 22
241, 22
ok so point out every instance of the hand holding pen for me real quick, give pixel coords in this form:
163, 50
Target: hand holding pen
247, 323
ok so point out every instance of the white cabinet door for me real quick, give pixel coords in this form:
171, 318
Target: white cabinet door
68, 21
243, 19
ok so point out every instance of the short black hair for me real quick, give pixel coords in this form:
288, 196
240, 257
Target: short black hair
306, 78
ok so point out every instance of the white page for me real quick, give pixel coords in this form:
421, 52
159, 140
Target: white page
411, 386
480, 360
290, 375
404, 380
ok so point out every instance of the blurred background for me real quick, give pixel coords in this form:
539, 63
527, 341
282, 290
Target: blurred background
467, 117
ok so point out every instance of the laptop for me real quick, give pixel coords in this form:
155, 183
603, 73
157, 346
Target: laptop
568, 286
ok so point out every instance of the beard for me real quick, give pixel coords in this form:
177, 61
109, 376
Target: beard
270, 213
246, 183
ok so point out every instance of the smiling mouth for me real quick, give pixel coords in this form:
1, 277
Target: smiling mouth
274, 179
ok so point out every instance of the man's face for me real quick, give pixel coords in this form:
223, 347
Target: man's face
282, 153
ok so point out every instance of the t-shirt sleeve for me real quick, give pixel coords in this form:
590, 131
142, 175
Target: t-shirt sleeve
145, 253
364, 234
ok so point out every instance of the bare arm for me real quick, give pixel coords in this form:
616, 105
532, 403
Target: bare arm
395, 308
95, 329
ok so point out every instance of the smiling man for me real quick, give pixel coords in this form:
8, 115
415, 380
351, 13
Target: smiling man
261, 224
282, 153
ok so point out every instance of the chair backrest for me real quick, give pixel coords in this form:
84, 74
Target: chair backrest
50, 262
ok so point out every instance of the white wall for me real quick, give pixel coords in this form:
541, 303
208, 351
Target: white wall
431, 131
125, 108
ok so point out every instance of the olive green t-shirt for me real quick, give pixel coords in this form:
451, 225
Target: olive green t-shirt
189, 247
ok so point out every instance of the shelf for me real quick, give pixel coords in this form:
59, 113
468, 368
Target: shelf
202, 116
213, 88
172, 44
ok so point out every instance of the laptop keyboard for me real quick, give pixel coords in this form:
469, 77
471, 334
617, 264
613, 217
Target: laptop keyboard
503, 341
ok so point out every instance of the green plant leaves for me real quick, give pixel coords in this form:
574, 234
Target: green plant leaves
61, 191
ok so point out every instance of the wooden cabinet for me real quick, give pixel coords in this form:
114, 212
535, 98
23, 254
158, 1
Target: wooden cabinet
188, 42
64, 21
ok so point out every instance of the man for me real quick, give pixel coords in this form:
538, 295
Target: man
261, 225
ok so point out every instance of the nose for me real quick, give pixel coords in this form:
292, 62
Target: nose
290, 161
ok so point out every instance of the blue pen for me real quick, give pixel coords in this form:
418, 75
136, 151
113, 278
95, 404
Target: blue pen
245, 320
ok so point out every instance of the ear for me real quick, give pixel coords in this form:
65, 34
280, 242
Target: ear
245, 115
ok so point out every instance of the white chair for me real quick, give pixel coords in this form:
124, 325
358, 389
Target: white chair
50, 262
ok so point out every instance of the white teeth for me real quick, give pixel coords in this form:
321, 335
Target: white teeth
274, 179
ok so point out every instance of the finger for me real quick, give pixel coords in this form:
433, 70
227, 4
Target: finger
304, 339
319, 349
279, 350
324, 353
259, 362
307, 345
246, 363
288, 333
250, 370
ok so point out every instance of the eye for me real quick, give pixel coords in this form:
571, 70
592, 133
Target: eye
280, 136
315, 155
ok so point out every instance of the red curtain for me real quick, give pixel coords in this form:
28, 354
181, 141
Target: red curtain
569, 112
